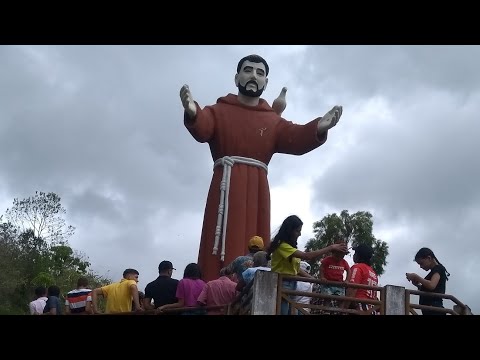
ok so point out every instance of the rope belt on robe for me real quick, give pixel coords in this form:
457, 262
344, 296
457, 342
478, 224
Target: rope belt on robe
228, 162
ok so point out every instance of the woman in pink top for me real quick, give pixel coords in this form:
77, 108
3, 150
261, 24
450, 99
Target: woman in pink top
188, 290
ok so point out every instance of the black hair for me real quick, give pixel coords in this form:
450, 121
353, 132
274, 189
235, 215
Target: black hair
423, 253
192, 271
82, 281
130, 271
226, 271
54, 290
254, 59
363, 254
289, 225
40, 291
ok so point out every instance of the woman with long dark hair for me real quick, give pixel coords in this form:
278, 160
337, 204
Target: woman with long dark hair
434, 282
188, 291
286, 257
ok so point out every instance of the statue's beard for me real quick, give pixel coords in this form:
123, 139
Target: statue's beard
243, 89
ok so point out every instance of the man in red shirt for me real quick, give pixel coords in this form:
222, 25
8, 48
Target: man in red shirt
332, 268
362, 273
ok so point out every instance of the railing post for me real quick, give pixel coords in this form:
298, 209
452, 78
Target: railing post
394, 300
265, 287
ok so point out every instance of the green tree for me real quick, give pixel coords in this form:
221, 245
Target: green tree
43, 214
354, 229
10, 274
34, 251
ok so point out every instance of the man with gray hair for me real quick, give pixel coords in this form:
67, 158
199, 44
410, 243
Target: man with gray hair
260, 262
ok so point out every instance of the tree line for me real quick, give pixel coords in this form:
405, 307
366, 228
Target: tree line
34, 251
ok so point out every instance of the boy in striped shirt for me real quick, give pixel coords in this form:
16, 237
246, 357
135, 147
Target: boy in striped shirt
79, 300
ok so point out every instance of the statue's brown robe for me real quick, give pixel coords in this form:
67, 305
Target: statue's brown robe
234, 129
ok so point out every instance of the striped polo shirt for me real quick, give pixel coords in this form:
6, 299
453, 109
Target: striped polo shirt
77, 300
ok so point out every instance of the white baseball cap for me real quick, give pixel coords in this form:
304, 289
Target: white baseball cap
305, 266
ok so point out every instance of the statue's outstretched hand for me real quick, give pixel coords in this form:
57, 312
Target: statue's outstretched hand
330, 119
187, 101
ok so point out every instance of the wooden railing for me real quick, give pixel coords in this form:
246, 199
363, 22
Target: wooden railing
392, 300
264, 295
242, 305
377, 306
458, 309
172, 311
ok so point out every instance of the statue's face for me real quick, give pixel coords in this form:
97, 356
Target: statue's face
251, 80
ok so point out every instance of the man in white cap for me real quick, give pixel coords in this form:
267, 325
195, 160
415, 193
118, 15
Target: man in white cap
304, 286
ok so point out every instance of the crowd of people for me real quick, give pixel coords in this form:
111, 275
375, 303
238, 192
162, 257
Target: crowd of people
191, 295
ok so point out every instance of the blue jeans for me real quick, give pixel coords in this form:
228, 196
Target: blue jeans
288, 285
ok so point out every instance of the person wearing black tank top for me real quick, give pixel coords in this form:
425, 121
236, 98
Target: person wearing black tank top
434, 282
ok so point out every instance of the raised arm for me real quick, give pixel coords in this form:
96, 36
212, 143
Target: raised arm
198, 122
187, 102
311, 255
295, 139
329, 120
299, 139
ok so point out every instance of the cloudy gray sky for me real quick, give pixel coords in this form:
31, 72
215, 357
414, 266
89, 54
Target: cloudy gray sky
102, 127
